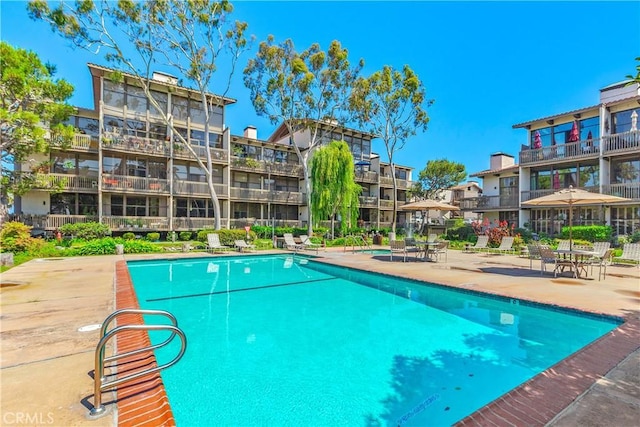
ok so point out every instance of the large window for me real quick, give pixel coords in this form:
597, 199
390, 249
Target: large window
621, 121
113, 165
193, 208
136, 100
157, 131
540, 180
157, 169
216, 116
589, 176
113, 94
161, 99
590, 125
509, 188
136, 206
113, 125
74, 204
180, 108
196, 112
136, 167
625, 171
245, 180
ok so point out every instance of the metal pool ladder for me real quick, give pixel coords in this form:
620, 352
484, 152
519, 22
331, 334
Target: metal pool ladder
100, 382
356, 240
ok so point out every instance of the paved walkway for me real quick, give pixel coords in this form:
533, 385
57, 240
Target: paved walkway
45, 360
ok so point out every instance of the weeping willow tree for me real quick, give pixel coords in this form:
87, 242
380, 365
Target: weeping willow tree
335, 191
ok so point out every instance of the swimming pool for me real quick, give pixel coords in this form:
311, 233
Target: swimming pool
283, 341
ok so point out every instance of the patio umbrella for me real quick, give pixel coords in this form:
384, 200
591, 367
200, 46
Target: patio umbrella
537, 141
428, 205
574, 135
573, 197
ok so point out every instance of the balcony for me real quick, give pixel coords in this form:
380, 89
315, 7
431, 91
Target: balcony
534, 194
261, 166
218, 155
386, 204
628, 191
387, 181
136, 223
193, 188
192, 224
134, 184
368, 201
258, 195
627, 142
80, 142
486, 203
135, 144
587, 148
367, 176
64, 182
52, 222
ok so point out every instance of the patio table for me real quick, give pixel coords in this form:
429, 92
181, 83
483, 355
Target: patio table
425, 246
577, 260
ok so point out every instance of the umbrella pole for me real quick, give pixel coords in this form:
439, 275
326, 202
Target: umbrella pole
570, 227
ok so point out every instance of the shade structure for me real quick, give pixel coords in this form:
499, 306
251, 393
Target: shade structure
571, 197
428, 205
574, 135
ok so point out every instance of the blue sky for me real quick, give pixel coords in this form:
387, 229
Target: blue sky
487, 65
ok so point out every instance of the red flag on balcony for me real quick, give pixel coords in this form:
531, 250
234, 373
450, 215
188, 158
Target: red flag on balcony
574, 135
537, 141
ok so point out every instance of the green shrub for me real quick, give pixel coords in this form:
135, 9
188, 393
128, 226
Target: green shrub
635, 237
591, 233
153, 237
15, 237
129, 236
525, 233
104, 246
460, 233
140, 247
185, 236
227, 237
86, 230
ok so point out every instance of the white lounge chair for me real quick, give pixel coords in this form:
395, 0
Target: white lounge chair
480, 245
506, 245
630, 252
243, 246
564, 245
213, 243
308, 244
291, 244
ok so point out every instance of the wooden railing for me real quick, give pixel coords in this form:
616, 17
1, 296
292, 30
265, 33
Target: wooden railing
134, 184
135, 144
367, 176
65, 182
386, 204
192, 188
133, 223
182, 223
628, 191
387, 181
622, 142
571, 150
368, 201
496, 202
534, 194
218, 155
254, 194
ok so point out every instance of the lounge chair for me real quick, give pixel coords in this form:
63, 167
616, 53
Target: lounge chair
398, 247
291, 244
564, 245
630, 252
308, 244
480, 245
243, 246
213, 243
506, 245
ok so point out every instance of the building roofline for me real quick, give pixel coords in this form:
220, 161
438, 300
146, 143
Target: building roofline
93, 66
282, 130
567, 113
495, 171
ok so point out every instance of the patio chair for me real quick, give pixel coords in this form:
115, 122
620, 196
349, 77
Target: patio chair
412, 246
564, 245
398, 246
213, 243
481, 244
534, 253
308, 244
506, 245
547, 256
243, 246
432, 237
630, 252
438, 250
602, 263
291, 244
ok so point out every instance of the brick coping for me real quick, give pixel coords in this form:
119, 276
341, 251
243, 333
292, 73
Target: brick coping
142, 402
534, 403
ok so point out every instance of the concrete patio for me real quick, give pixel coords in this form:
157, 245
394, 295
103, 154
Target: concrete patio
46, 359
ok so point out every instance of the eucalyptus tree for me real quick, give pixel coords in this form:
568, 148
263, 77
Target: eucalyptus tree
33, 108
192, 38
304, 91
335, 191
438, 175
391, 105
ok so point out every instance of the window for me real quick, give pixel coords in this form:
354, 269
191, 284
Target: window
113, 165
63, 204
113, 125
154, 206
157, 169
64, 163
87, 204
157, 131
181, 208
196, 112
180, 171
625, 171
88, 165
541, 180
137, 167
136, 128
621, 121
196, 174
88, 126
216, 116
136, 100
179, 108
113, 94
589, 176
589, 125
136, 206
161, 99
117, 205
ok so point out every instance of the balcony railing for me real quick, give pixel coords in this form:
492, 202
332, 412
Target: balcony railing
534, 194
367, 176
182, 223
134, 184
368, 201
80, 142
386, 204
628, 191
65, 182
497, 202
192, 188
571, 150
261, 166
135, 144
254, 194
52, 222
387, 181
622, 142
133, 223
218, 155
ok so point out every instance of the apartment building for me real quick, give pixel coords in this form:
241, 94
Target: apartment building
124, 167
596, 148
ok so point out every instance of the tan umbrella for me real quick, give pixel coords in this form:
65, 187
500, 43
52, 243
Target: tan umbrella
573, 197
428, 205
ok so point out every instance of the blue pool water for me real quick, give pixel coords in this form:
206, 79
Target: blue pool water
280, 341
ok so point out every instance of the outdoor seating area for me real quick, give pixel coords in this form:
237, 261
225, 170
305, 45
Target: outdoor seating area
213, 243
630, 253
242, 246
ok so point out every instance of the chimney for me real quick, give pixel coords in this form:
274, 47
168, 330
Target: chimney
501, 161
251, 132
164, 78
